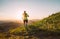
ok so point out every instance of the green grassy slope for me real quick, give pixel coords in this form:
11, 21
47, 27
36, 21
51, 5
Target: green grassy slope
50, 23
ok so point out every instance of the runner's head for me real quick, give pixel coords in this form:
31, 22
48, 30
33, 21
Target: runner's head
24, 11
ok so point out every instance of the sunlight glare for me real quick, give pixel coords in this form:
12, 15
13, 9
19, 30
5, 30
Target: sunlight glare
19, 15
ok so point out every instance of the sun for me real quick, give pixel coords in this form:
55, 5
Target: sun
19, 14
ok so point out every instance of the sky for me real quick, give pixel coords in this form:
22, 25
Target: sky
37, 9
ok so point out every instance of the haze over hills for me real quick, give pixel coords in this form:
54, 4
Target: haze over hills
6, 25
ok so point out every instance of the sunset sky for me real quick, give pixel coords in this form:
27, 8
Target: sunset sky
37, 9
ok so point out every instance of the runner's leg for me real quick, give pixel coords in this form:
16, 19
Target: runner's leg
24, 22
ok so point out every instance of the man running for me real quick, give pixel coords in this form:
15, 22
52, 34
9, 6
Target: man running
25, 18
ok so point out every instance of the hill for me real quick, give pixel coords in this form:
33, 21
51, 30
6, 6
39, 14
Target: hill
50, 23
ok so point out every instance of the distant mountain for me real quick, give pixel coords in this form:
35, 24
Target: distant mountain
6, 25
33, 21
